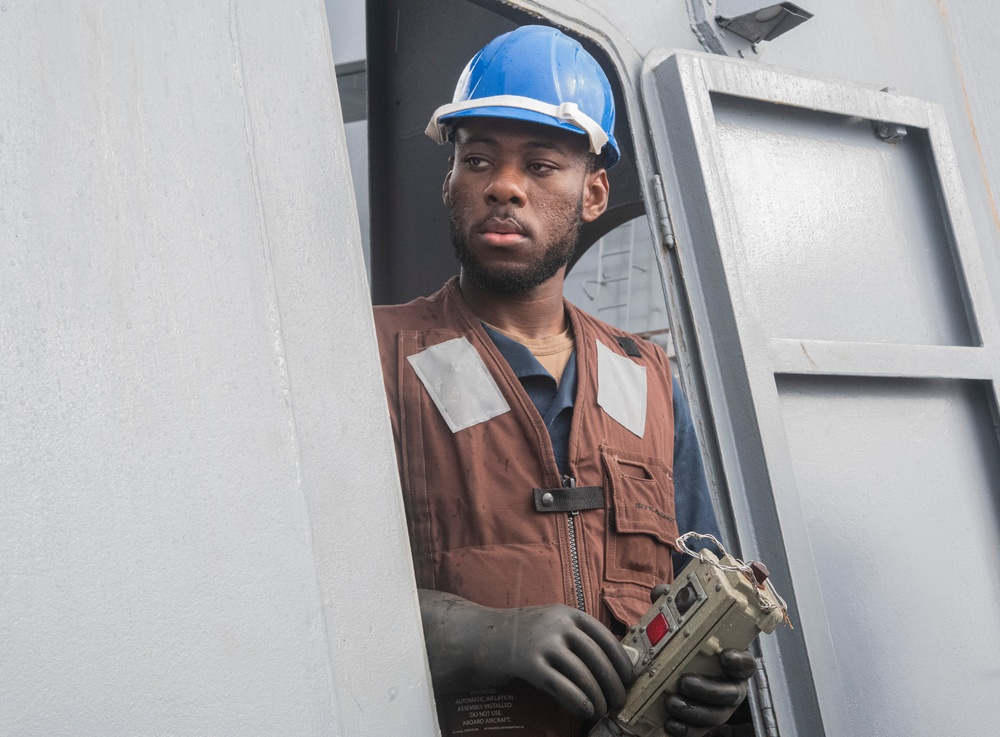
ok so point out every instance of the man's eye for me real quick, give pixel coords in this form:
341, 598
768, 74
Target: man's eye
539, 168
475, 162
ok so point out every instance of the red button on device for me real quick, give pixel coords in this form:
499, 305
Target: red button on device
657, 628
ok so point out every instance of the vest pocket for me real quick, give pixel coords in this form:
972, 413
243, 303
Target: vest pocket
626, 604
642, 527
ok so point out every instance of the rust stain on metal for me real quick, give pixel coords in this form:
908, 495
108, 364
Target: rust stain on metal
979, 150
968, 113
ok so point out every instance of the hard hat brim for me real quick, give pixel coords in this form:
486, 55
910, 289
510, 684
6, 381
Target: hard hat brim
610, 150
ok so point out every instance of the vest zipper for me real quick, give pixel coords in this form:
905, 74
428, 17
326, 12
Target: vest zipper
569, 482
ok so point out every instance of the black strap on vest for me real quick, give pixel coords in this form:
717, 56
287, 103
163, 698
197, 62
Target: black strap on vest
573, 499
628, 345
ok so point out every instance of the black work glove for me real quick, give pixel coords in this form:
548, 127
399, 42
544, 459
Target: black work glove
559, 650
704, 702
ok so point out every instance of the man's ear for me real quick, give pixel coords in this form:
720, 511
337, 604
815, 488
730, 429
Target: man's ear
446, 187
595, 195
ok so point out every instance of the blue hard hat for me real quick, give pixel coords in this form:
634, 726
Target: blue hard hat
541, 75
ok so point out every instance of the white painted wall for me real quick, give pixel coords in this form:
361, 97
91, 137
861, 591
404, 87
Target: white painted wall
201, 529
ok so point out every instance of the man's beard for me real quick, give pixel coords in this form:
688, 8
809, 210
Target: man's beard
511, 282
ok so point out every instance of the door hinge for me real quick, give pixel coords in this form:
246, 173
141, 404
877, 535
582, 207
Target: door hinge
663, 213
887, 130
764, 701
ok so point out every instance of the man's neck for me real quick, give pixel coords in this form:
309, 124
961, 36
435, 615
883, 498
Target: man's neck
535, 314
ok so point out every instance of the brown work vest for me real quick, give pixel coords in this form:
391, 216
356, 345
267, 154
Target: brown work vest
474, 527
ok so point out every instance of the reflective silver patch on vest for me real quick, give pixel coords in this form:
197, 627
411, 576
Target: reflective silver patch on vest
463, 390
621, 389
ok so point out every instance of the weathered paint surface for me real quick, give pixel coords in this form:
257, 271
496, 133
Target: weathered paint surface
201, 525
865, 342
942, 51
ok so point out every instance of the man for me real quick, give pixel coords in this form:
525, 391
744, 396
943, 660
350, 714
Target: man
536, 444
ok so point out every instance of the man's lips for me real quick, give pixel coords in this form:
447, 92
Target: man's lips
501, 232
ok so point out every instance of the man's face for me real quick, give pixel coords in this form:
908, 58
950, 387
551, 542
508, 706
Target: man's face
518, 193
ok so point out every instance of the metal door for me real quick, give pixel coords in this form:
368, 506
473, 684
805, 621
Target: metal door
846, 351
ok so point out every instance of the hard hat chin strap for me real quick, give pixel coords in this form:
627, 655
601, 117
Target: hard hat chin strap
567, 111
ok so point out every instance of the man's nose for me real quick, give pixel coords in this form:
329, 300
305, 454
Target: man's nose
505, 188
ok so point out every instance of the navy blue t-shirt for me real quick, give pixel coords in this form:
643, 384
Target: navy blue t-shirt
554, 402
